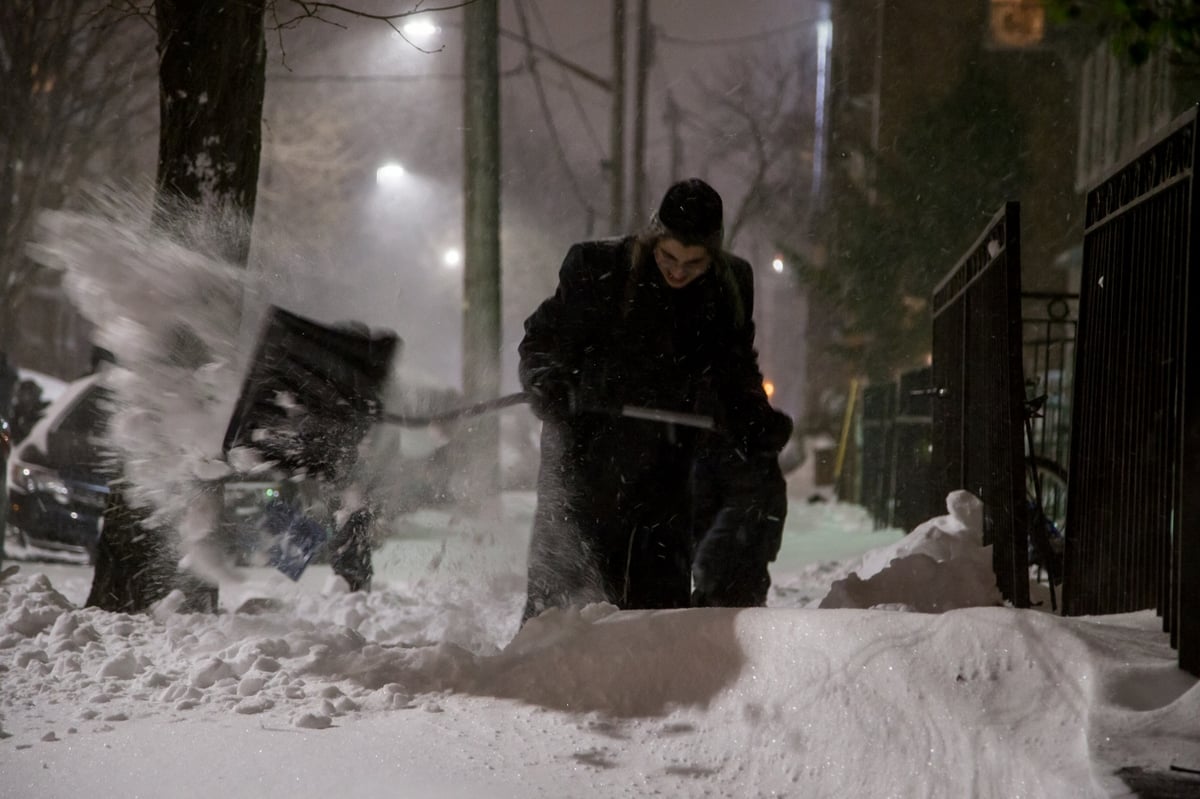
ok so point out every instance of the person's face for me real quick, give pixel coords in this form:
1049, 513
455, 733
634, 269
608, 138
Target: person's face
680, 263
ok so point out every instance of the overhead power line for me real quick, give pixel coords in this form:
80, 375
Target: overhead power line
570, 87
550, 125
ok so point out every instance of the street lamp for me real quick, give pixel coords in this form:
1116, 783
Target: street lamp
777, 265
421, 29
389, 174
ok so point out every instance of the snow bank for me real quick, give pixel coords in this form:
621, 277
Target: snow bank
425, 685
979, 702
941, 565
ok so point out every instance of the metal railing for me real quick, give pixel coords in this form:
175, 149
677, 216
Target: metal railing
978, 410
1118, 435
895, 452
877, 426
1049, 322
1134, 512
912, 452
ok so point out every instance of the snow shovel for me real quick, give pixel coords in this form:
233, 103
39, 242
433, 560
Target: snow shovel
313, 391
309, 397
311, 394
307, 401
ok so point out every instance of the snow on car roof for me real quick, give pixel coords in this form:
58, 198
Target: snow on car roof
68, 394
52, 387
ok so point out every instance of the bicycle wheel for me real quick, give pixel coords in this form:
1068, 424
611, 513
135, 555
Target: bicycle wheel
1053, 479
1047, 523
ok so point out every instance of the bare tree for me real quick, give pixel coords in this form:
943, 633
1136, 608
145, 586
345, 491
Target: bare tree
75, 89
758, 120
212, 75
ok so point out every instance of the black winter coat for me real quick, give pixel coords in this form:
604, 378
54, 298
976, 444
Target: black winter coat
614, 519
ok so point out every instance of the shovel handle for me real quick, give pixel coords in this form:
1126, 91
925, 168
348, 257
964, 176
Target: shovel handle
668, 417
508, 400
413, 420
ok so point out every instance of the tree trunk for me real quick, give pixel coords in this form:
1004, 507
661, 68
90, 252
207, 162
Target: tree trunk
212, 76
135, 569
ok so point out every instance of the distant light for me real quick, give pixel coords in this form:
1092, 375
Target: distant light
390, 173
421, 29
452, 258
769, 387
777, 265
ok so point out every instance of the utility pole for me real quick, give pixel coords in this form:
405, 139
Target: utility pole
645, 55
673, 116
481, 236
616, 161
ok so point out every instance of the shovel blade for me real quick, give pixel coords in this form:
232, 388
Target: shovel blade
311, 393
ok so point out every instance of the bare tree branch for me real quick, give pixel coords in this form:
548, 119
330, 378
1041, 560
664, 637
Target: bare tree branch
316, 10
544, 103
759, 103
66, 116
127, 9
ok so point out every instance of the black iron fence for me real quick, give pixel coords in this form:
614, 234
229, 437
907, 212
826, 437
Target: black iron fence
896, 458
1116, 435
912, 460
978, 411
877, 425
1134, 511
1048, 322
896, 422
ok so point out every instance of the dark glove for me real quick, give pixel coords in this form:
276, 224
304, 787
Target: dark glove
551, 397
766, 431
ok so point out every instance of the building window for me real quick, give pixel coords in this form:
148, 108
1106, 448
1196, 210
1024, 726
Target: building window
1016, 24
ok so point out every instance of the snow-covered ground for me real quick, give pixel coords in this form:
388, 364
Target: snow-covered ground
424, 687
882, 666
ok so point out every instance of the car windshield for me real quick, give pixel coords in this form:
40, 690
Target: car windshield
73, 443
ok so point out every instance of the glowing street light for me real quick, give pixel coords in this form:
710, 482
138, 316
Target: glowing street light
777, 265
389, 174
421, 29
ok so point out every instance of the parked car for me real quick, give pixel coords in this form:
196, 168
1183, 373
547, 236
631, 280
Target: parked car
58, 484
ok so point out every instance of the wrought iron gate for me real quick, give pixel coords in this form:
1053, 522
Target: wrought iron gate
1133, 507
979, 406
